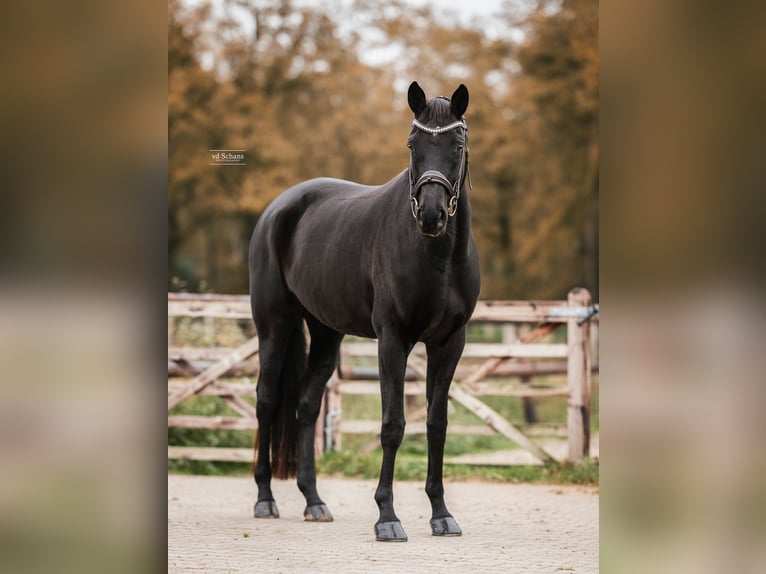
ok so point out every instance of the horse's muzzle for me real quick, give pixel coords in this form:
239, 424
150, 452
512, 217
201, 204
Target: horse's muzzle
432, 224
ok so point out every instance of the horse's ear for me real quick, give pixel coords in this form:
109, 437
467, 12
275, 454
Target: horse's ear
416, 98
459, 101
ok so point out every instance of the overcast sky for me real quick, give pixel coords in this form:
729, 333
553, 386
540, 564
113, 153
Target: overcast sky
465, 9
475, 12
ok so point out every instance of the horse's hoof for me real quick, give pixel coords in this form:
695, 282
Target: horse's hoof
266, 509
317, 513
445, 526
390, 532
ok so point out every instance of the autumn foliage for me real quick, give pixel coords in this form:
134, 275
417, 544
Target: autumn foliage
311, 92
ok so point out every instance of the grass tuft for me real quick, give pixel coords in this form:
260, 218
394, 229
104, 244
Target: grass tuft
350, 464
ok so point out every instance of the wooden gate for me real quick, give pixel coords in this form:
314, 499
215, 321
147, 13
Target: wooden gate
198, 370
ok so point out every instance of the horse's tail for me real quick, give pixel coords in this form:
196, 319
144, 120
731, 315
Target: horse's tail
284, 423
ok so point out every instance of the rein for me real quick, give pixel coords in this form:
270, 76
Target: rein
435, 176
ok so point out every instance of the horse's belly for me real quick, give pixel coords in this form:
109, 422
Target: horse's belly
347, 317
337, 305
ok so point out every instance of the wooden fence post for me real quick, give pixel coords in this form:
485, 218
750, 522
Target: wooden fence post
579, 378
329, 418
335, 407
319, 427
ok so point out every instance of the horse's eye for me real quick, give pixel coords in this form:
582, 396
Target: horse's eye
409, 145
459, 148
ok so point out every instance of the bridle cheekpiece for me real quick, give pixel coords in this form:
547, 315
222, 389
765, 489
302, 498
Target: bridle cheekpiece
435, 176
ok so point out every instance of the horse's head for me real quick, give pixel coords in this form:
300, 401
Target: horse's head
438, 157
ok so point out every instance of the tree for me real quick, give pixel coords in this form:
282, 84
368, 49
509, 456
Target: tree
289, 85
555, 158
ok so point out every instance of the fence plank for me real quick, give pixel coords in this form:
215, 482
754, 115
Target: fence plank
494, 389
197, 353
415, 428
214, 453
215, 388
546, 430
247, 369
482, 372
497, 422
520, 312
250, 347
355, 387
238, 307
474, 350
214, 309
509, 368
240, 405
215, 422
205, 297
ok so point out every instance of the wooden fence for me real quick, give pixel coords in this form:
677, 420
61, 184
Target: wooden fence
204, 370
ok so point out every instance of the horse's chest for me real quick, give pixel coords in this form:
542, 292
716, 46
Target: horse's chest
435, 304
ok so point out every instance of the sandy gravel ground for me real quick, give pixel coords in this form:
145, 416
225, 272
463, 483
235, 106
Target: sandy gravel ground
506, 528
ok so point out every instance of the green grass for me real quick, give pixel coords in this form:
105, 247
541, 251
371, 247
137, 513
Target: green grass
351, 464
207, 467
367, 466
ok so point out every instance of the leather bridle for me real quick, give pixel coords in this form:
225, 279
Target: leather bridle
435, 176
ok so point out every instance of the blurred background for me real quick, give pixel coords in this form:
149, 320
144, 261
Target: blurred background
314, 89
83, 102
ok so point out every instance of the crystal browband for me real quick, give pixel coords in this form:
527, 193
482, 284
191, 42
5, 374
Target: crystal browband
439, 129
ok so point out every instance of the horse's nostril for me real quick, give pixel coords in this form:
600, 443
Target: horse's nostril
442, 216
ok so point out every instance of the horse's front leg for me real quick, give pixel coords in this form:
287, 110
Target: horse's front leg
442, 361
392, 361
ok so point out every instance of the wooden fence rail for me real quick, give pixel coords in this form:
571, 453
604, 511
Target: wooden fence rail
204, 370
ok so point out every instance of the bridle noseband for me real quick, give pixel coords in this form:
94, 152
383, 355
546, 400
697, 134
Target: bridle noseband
435, 176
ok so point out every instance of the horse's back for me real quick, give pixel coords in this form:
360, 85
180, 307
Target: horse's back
304, 195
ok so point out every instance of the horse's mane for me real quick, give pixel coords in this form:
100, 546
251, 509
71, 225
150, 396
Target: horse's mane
438, 111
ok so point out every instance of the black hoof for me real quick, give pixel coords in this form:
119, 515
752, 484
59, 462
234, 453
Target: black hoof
266, 509
445, 526
390, 532
317, 513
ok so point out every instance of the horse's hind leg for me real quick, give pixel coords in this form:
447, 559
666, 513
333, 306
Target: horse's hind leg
442, 361
282, 354
274, 341
323, 359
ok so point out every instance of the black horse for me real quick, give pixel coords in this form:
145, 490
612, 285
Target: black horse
397, 263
